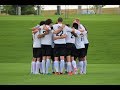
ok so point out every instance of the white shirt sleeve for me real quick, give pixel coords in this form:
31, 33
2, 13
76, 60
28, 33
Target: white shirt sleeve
37, 26
84, 32
68, 29
52, 31
77, 32
82, 27
48, 27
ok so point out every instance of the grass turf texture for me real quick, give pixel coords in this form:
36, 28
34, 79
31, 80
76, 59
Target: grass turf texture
103, 53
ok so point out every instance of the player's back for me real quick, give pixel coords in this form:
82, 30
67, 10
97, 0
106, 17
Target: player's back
47, 39
36, 40
59, 41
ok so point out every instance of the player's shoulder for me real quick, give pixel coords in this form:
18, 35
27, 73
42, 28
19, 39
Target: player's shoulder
55, 25
42, 26
81, 24
67, 27
37, 26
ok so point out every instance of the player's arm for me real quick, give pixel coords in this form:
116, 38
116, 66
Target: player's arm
58, 30
84, 32
59, 37
78, 32
43, 35
74, 32
47, 29
82, 28
35, 29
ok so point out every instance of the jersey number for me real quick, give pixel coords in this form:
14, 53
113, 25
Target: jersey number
44, 31
60, 33
72, 36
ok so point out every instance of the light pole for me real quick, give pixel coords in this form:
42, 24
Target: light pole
19, 10
38, 9
58, 10
66, 11
87, 9
0, 8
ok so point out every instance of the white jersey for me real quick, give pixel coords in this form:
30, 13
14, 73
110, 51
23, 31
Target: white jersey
85, 35
70, 37
36, 41
64, 31
47, 39
79, 41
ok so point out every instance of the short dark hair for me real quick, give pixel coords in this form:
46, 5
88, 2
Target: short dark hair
42, 23
48, 22
75, 25
60, 19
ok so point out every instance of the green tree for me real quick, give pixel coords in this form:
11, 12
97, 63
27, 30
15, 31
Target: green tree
25, 9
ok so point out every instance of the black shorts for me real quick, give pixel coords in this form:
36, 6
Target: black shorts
46, 50
86, 48
37, 52
59, 50
70, 49
81, 53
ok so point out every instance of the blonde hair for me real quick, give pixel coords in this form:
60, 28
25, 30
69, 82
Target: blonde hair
76, 21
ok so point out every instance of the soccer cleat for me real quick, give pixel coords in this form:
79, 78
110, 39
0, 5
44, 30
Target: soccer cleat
66, 72
70, 73
61, 73
57, 73
81, 73
53, 72
84, 72
41, 73
37, 73
75, 71
48, 73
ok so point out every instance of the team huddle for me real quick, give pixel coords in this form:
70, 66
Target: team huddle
59, 45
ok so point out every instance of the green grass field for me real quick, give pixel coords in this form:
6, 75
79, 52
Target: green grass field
103, 54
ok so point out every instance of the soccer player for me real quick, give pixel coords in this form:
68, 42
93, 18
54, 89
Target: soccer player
79, 43
59, 47
46, 42
86, 42
37, 54
70, 51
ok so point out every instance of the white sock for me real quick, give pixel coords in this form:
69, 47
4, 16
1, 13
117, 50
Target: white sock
81, 66
69, 66
74, 64
62, 65
37, 67
47, 65
84, 67
43, 66
53, 70
33, 67
56, 65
